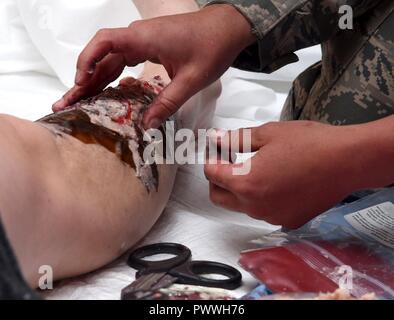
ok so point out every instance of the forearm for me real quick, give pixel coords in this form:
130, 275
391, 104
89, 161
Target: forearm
285, 26
373, 153
156, 8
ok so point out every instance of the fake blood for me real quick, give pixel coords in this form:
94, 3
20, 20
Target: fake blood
124, 119
298, 267
282, 271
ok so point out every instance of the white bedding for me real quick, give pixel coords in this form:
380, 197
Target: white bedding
36, 66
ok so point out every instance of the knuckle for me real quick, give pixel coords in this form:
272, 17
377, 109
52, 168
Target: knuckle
239, 188
140, 32
262, 133
103, 33
211, 172
269, 126
307, 123
207, 171
168, 106
69, 93
191, 74
82, 61
244, 188
74, 94
217, 200
213, 196
135, 24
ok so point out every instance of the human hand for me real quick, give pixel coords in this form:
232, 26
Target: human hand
301, 169
195, 49
197, 112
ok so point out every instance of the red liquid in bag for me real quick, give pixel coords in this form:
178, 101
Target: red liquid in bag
313, 267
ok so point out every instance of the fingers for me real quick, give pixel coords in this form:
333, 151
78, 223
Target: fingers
69, 98
108, 70
178, 92
223, 198
241, 140
106, 41
220, 174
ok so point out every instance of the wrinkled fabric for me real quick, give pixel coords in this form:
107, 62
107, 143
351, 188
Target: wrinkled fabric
61, 29
353, 83
17, 51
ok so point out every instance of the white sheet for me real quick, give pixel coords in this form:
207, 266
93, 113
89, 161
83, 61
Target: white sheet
59, 29
31, 79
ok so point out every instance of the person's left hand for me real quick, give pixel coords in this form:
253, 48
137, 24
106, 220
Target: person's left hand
301, 169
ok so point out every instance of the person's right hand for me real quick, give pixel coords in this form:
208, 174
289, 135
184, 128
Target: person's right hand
195, 49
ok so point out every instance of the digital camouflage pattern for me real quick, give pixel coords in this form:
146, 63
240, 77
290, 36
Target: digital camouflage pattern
353, 83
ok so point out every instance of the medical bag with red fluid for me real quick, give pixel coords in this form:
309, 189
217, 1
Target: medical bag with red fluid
349, 247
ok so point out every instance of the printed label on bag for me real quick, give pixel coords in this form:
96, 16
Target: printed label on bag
376, 222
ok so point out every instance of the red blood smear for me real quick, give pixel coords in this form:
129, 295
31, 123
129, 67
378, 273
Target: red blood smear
283, 271
148, 86
126, 118
153, 87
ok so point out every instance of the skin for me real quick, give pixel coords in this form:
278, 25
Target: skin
302, 168
312, 166
197, 61
73, 206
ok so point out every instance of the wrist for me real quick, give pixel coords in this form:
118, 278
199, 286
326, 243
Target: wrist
235, 24
370, 153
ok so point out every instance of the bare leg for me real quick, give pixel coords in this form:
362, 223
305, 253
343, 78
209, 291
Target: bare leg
70, 205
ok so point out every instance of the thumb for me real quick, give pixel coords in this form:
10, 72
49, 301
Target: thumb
239, 141
180, 90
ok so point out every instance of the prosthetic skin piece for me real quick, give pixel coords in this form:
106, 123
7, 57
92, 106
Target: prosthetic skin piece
113, 119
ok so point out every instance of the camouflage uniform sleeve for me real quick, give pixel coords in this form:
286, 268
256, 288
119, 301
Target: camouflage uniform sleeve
285, 26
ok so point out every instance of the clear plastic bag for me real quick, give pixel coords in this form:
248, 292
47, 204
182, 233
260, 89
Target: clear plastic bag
349, 247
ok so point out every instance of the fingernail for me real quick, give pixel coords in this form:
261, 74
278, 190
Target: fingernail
81, 76
58, 105
154, 123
